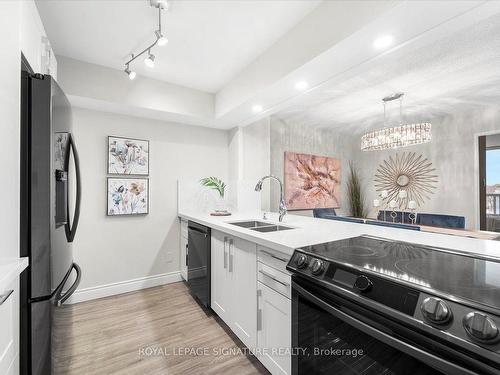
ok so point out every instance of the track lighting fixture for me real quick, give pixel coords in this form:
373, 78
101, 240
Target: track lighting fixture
160, 40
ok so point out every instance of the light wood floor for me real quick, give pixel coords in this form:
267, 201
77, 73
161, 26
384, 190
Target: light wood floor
137, 333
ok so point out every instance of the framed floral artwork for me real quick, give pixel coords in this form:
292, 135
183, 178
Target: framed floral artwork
128, 196
128, 156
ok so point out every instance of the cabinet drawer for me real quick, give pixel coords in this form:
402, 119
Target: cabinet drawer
274, 279
273, 258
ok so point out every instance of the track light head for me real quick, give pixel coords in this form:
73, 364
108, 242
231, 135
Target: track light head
161, 4
161, 40
150, 60
131, 74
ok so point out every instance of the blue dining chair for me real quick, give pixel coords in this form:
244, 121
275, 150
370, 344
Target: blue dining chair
392, 225
441, 221
324, 213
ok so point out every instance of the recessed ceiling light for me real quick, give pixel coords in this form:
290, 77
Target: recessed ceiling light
301, 85
383, 41
257, 108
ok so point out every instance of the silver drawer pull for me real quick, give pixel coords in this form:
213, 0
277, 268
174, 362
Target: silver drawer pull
273, 278
259, 310
225, 254
274, 256
4, 296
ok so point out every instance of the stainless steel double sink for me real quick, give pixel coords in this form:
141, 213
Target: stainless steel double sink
260, 226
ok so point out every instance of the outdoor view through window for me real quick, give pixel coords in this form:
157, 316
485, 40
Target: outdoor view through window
493, 189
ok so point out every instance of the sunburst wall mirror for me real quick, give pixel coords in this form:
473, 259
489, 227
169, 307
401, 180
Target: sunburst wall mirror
410, 172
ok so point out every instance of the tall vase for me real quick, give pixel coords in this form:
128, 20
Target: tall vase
220, 204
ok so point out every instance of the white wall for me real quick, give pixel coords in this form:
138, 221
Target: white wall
98, 87
249, 156
32, 44
117, 249
10, 78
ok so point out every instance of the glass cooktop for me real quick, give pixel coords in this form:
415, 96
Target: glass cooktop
455, 274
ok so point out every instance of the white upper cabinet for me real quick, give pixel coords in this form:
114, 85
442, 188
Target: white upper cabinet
34, 43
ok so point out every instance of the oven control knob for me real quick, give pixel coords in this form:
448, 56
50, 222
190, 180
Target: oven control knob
301, 261
435, 310
317, 267
481, 327
363, 283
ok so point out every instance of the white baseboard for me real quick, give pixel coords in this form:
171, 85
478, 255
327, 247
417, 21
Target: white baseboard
100, 291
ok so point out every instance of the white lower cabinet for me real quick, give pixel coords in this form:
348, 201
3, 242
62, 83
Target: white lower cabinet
253, 298
184, 247
9, 329
234, 283
220, 282
274, 339
243, 268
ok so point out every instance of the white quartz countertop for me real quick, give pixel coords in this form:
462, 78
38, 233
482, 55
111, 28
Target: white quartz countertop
310, 231
10, 268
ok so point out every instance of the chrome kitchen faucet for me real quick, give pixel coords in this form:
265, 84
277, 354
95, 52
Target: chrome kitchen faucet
282, 207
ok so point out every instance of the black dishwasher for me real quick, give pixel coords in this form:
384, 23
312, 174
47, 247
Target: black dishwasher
198, 262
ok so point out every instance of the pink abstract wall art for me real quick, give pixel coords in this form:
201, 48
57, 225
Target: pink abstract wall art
311, 181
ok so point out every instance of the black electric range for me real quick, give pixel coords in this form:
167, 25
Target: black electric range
413, 309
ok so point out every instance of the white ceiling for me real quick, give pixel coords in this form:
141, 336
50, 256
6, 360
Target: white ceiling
455, 73
209, 41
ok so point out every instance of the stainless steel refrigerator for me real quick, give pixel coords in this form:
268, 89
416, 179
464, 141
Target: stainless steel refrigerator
50, 210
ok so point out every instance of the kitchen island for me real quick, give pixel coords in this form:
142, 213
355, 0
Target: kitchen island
309, 231
251, 289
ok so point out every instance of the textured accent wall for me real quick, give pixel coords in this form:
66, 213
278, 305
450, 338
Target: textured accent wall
305, 139
453, 152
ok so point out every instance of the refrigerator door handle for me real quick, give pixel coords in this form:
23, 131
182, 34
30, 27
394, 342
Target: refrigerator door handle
60, 299
72, 225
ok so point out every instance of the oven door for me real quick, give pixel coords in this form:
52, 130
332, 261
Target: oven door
333, 335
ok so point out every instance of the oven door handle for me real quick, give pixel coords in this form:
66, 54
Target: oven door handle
428, 358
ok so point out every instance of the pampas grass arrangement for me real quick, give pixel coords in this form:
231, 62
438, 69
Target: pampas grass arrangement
355, 193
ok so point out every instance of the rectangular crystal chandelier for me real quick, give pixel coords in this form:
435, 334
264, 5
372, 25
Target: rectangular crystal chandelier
399, 136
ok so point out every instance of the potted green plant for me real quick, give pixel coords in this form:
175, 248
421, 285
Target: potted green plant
355, 193
219, 186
